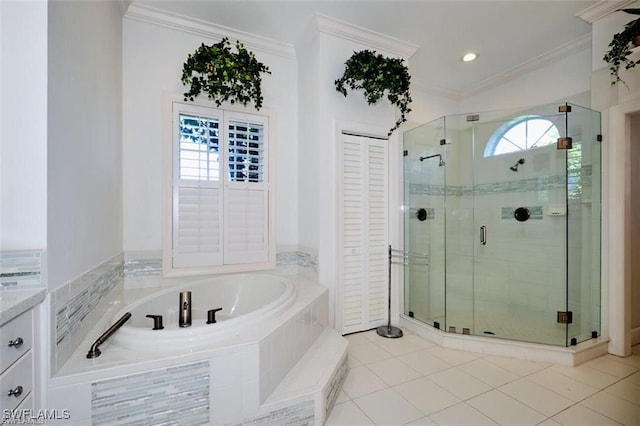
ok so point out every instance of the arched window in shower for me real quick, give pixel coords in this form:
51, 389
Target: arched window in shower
523, 133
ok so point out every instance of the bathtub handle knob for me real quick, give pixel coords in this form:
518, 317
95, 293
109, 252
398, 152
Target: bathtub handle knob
157, 321
211, 315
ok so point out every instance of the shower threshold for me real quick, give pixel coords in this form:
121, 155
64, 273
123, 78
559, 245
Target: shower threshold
537, 352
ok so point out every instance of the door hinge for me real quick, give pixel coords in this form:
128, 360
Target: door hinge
473, 117
565, 143
405, 153
564, 108
565, 317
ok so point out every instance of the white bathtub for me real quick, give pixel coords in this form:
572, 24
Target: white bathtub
245, 299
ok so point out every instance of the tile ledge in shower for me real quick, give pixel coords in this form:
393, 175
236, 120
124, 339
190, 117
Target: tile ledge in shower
537, 352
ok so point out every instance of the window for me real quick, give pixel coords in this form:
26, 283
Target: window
521, 134
219, 214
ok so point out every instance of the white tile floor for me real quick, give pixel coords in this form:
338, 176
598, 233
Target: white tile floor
413, 381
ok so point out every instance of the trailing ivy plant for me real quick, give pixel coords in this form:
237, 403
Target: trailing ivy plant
378, 75
223, 74
620, 47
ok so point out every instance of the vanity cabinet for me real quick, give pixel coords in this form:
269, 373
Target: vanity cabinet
16, 363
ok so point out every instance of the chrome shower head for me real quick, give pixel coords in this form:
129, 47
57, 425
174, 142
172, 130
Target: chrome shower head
514, 168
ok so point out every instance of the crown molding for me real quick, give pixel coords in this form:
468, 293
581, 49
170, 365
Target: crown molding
206, 29
424, 86
533, 64
602, 9
375, 40
124, 5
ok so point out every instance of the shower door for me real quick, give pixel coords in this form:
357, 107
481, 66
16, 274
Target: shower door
520, 222
506, 205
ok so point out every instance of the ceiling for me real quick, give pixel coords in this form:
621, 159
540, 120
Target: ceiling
507, 35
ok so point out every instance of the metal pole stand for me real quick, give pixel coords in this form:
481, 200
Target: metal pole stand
389, 331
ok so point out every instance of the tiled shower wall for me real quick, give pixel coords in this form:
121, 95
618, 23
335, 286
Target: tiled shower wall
522, 270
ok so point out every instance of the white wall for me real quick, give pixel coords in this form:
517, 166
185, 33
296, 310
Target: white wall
84, 137
634, 226
153, 56
23, 125
566, 79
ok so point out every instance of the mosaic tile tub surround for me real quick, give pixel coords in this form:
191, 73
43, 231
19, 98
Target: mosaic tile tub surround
78, 304
241, 374
74, 303
144, 264
152, 397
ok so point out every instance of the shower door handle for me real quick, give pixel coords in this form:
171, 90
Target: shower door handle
483, 235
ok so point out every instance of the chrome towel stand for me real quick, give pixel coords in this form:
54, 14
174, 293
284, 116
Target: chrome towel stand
398, 257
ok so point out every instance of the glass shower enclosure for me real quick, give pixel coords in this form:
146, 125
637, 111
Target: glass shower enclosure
505, 205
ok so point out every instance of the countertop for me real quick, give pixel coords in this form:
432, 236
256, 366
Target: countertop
13, 302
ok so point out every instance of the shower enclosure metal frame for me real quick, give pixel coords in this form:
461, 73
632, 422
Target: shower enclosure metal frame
512, 234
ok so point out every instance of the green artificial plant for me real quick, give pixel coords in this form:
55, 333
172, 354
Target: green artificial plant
223, 74
378, 75
620, 49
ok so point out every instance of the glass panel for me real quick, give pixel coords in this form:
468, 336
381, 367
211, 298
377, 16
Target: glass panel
199, 148
512, 232
520, 200
583, 190
460, 231
246, 152
424, 183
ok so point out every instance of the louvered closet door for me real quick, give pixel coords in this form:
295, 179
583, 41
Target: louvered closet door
364, 232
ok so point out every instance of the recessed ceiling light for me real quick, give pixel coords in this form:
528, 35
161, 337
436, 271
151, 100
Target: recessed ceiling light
468, 57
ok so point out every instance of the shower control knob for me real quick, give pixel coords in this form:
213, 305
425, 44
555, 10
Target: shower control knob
522, 214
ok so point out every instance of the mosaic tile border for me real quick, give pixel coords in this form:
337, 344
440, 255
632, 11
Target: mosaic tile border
23, 268
150, 267
299, 415
97, 284
522, 185
142, 267
335, 384
175, 395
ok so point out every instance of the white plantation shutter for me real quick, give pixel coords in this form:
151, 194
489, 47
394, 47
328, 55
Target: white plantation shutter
220, 188
197, 195
245, 226
197, 228
364, 232
246, 202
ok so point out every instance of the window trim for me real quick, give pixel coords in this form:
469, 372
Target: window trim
498, 134
168, 270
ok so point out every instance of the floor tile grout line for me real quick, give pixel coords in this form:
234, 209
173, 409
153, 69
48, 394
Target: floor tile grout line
527, 376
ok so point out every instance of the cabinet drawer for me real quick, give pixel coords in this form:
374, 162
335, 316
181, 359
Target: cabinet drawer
22, 413
16, 338
18, 379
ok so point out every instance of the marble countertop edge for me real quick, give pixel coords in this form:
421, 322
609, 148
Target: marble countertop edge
14, 302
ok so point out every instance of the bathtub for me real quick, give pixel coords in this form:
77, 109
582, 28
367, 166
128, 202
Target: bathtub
245, 299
